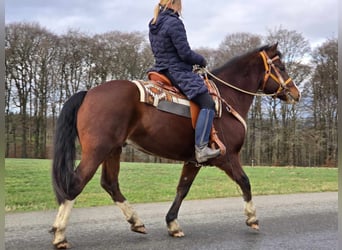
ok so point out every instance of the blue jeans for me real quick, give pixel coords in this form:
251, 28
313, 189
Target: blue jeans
203, 127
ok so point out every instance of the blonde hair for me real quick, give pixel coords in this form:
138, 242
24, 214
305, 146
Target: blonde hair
176, 5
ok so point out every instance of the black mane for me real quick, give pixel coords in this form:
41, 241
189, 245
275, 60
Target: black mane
233, 60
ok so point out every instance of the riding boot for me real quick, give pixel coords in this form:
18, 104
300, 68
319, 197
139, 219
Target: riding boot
202, 134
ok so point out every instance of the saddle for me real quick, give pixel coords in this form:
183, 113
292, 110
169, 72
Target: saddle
165, 83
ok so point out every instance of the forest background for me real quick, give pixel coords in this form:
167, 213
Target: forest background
44, 69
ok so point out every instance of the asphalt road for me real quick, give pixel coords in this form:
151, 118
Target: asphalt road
297, 221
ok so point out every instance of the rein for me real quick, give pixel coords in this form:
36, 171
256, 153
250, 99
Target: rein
234, 87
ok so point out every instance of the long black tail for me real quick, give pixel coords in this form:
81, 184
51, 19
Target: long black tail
64, 147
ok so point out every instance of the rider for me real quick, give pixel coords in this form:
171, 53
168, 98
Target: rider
175, 59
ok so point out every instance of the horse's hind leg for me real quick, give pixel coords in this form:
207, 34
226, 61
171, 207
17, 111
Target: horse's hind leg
59, 226
188, 175
235, 171
83, 173
110, 182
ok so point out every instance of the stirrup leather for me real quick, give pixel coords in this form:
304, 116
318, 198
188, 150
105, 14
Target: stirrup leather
214, 139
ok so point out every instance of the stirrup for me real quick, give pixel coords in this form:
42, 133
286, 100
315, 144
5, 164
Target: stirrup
205, 153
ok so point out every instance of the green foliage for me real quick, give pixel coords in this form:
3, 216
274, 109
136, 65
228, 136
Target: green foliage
28, 183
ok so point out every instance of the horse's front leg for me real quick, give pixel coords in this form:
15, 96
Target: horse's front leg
249, 208
188, 175
235, 171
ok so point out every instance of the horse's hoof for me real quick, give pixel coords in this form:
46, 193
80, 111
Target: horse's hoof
63, 245
139, 229
177, 233
255, 227
174, 229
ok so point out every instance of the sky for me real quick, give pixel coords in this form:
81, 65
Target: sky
207, 22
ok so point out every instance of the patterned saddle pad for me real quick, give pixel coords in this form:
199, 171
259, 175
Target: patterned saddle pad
153, 93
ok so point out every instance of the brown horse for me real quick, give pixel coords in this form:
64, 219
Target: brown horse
110, 115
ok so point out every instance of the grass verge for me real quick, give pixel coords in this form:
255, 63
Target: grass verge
28, 183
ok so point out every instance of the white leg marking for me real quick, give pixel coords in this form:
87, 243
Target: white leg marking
129, 213
61, 220
174, 229
250, 212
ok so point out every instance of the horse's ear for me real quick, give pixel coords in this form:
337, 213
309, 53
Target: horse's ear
274, 47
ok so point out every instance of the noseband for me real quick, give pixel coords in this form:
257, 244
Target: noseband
269, 65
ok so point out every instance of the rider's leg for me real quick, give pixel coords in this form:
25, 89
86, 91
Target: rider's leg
203, 128
205, 117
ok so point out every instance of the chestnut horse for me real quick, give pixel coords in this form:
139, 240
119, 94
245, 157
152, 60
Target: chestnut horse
110, 115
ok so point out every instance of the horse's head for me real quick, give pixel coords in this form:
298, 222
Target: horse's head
276, 80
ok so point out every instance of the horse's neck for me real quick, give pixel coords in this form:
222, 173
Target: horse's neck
240, 101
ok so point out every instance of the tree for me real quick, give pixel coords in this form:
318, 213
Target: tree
324, 87
21, 46
29, 51
42, 87
72, 54
123, 55
295, 48
236, 44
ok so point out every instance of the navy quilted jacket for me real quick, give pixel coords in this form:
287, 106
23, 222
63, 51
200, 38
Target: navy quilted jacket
172, 52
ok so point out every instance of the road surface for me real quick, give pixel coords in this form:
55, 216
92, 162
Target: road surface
296, 221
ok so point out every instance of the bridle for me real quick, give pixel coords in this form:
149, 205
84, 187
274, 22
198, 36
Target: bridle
269, 65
